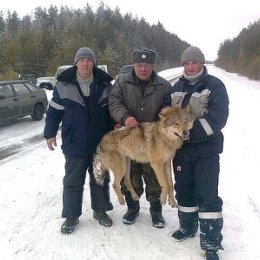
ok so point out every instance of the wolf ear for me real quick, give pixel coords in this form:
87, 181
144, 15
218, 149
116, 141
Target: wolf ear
161, 116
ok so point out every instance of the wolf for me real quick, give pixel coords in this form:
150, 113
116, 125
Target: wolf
151, 142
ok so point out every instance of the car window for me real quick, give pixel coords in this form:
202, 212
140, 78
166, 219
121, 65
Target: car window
21, 89
6, 91
31, 87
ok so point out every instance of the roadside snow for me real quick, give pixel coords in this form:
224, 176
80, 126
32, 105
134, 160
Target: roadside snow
31, 197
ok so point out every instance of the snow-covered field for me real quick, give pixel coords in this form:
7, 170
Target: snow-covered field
31, 196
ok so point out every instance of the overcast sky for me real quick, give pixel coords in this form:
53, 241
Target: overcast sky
204, 23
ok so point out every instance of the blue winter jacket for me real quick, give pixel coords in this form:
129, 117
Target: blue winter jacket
84, 120
208, 102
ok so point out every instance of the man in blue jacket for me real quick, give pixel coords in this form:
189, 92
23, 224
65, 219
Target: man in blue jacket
80, 103
196, 164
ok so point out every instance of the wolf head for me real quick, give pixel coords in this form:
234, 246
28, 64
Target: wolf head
178, 120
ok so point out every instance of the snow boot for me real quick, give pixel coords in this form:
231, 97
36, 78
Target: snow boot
156, 214
69, 225
188, 226
103, 219
210, 236
132, 211
211, 255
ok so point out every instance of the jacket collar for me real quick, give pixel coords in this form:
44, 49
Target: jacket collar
155, 79
70, 74
201, 78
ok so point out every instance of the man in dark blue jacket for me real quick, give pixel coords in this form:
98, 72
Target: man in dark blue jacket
196, 164
80, 102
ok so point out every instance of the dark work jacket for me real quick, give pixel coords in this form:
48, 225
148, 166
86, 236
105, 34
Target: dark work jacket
208, 102
127, 98
84, 120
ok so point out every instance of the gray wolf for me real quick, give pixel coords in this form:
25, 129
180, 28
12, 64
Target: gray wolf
150, 142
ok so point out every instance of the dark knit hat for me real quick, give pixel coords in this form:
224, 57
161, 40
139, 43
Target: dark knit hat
84, 52
192, 54
144, 56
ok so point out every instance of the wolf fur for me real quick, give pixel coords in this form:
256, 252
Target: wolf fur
154, 142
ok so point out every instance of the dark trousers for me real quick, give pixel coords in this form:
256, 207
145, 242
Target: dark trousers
138, 173
196, 183
73, 187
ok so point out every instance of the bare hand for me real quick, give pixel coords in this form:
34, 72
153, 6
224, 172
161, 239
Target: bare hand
131, 122
51, 143
117, 126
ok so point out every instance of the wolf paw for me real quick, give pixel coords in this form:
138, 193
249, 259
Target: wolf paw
172, 202
121, 200
135, 197
163, 200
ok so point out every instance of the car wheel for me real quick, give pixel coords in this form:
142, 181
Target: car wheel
38, 112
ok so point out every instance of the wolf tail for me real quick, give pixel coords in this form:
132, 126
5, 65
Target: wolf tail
99, 174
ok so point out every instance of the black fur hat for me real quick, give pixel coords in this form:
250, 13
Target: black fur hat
144, 56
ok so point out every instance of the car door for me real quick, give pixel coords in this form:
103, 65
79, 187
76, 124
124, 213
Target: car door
9, 103
26, 98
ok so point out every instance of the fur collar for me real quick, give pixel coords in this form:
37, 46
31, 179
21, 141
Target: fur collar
70, 74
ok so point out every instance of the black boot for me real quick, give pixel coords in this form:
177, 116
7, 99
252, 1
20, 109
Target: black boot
132, 211
69, 225
211, 255
103, 219
188, 226
156, 214
210, 236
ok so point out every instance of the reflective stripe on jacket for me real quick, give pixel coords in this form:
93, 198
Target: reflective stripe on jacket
208, 101
84, 120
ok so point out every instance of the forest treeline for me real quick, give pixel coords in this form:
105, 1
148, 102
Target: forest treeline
242, 54
37, 46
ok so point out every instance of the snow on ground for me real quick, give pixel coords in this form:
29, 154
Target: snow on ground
31, 196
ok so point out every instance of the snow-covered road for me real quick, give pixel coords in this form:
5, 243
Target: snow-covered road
31, 196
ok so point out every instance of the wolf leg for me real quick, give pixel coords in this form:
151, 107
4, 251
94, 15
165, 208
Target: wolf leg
118, 168
116, 186
114, 162
159, 172
128, 182
168, 174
